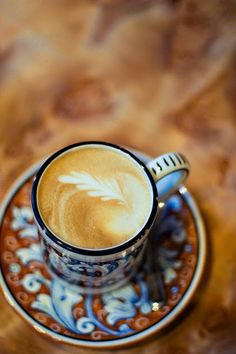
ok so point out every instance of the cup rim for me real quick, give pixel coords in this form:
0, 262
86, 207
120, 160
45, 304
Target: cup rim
90, 251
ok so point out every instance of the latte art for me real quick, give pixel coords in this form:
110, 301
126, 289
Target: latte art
105, 189
94, 197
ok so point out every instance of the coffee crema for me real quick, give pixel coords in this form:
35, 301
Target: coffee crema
94, 197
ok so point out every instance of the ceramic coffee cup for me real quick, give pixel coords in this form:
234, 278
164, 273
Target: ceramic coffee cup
95, 204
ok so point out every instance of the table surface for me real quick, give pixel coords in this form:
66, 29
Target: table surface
154, 75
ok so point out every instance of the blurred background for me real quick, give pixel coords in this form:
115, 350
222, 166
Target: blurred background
154, 75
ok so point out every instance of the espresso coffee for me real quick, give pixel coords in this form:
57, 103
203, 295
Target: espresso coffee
94, 197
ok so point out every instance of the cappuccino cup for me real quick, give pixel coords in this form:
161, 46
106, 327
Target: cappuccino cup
95, 204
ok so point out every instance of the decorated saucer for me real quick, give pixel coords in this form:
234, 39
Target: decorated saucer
117, 318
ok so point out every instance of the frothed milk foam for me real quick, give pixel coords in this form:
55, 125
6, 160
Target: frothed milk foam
94, 197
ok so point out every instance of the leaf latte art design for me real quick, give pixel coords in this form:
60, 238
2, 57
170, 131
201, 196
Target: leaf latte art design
106, 189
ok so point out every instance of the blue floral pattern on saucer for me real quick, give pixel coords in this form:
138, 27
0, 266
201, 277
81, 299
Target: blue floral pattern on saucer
118, 316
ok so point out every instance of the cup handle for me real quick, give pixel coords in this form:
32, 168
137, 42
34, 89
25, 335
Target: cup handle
169, 171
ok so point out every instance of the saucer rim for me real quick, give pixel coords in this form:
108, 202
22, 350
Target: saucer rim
133, 338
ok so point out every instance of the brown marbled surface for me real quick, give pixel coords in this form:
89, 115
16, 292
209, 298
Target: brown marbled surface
153, 75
